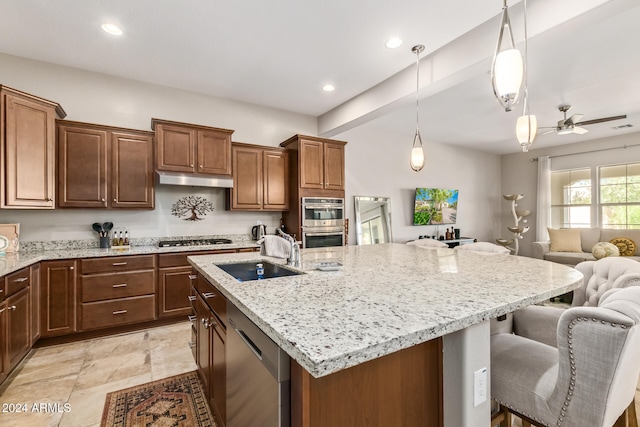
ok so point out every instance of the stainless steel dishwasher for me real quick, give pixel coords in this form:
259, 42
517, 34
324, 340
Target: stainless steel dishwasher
258, 376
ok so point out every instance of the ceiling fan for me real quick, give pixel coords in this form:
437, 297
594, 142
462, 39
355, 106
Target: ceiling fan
573, 123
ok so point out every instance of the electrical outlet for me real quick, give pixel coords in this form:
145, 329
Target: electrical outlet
479, 386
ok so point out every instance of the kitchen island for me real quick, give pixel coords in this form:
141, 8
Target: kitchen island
367, 340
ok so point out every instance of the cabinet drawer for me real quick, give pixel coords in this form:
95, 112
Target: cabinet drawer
117, 263
214, 299
179, 259
118, 312
17, 281
109, 286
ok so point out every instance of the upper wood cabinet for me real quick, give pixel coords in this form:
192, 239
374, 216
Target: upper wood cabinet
320, 162
189, 148
260, 178
27, 150
104, 167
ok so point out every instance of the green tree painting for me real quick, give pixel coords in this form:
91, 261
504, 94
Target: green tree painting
435, 206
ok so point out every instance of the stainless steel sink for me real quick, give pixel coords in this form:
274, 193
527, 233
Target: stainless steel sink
246, 271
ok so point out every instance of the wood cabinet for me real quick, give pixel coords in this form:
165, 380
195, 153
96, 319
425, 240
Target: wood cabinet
117, 291
27, 150
316, 169
58, 299
4, 369
34, 292
104, 167
189, 148
174, 281
18, 317
260, 178
211, 323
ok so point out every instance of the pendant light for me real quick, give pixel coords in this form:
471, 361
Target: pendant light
506, 67
417, 152
527, 124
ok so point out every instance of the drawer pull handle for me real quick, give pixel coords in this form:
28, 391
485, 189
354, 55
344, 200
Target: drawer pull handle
192, 345
1, 310
21, 279
209, 295
119, 263
192, 277
205, 322
192, 298
13, 307
120, 312
121, 285
192, 318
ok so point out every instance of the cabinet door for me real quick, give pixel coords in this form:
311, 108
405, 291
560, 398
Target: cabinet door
214, 152
203, 346
132, 180
176, 148
174, 286
333, 166
82, 167
219, 372
29, 153
18, 327
58, 300
311, 164
247, 178
34, 292
275, 180
4, 369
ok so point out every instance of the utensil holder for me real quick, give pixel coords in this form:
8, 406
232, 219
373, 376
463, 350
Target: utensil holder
104, 242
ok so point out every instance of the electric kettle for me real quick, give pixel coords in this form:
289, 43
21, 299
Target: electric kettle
258, 231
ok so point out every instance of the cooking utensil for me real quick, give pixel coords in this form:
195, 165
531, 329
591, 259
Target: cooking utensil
107, 226
98, 228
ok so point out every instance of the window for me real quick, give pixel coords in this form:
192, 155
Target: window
620, 196
571, 198
613, 203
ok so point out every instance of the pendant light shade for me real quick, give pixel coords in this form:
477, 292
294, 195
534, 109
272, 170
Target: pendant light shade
526, 128
417, 152
506, 68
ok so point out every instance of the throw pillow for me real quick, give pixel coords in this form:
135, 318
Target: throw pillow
604, 249
565, 240
627, 247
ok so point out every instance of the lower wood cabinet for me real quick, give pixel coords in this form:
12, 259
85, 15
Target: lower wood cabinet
210, 307
18, 327
34, 291
117, 291
4, 369
58, 297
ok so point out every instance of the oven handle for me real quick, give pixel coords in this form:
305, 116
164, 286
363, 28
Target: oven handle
326, 233
341, 207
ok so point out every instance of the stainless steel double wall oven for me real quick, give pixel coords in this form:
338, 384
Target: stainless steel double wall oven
322, 222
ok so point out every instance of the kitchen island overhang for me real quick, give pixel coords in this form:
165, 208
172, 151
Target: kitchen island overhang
385, 298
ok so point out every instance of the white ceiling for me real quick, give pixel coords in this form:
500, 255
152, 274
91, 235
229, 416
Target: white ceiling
279, 53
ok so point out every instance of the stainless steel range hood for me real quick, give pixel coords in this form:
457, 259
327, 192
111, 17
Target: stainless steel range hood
172, 178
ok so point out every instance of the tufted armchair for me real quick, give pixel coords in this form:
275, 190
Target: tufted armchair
538, 330
589, 379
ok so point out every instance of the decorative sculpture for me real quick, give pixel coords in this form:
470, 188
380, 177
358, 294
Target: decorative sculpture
517, 230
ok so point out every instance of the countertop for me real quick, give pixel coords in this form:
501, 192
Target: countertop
11, 262
385, 298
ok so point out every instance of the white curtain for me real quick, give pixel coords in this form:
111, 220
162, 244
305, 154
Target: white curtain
543, 216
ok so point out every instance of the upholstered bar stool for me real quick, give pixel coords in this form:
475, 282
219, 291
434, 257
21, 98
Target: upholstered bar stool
428, 243
486, 247
588, 379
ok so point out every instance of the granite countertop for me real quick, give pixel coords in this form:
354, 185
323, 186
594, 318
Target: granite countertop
385, 298
11, 262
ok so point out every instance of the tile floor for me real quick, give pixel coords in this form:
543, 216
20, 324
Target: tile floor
81, 374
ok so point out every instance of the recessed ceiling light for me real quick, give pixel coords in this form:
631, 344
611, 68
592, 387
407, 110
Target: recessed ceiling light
112, 29
393, 43
328, 88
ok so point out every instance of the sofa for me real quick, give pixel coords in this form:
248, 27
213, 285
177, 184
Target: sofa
574, 252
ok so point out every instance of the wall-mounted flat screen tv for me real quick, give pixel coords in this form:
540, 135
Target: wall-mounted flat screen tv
435, 206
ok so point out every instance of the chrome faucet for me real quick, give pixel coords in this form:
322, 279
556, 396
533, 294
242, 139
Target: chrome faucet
294, 250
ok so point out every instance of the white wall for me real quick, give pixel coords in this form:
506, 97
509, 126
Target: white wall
377, 164
519, 172
102, 99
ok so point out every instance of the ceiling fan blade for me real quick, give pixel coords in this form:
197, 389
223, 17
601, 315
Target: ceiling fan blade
547, 132
573, 119
579, 131
601, 120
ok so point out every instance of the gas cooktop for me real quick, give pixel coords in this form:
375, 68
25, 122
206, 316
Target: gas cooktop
193, 242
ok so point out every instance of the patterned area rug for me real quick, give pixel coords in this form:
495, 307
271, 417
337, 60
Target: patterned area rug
175, 401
